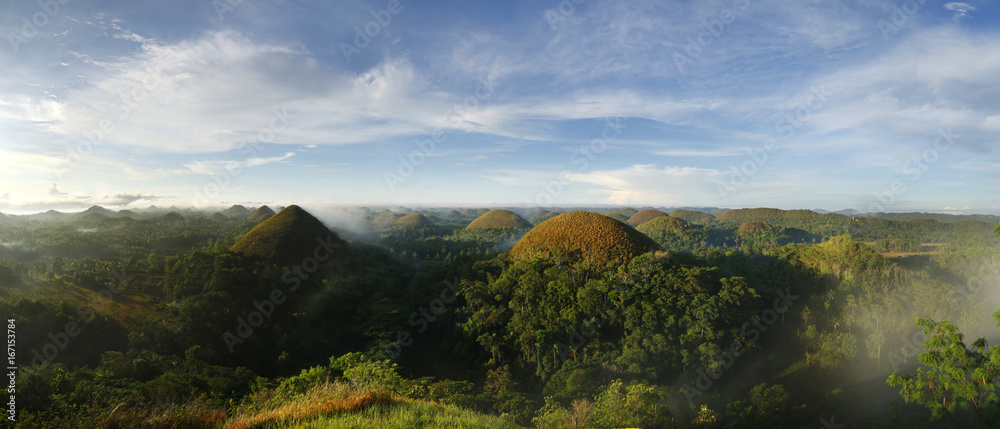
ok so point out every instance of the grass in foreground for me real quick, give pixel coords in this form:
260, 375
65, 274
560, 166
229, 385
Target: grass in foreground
407, 414
340, 405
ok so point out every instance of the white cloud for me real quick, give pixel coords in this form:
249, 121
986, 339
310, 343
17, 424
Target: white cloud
992, 122
931, 79
55, 192
213, 167
30, 201
531, 178
204, 167
463, 161
223, 86
32, 109
23, 162
961, 10
332, 170
646, 184
717, 152
212, 93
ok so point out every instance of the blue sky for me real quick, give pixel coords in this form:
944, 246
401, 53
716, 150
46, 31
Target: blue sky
867, 104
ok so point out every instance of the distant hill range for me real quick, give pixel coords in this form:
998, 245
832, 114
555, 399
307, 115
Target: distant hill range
940, 217
439, 215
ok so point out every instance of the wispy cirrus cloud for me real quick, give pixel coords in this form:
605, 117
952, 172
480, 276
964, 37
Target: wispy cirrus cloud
208, 167
213, 167
471, 159
331, 170
698, 153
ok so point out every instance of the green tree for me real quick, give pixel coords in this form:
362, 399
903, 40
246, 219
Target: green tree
957, 376
58, 266
763, 408
368, 373
634, 405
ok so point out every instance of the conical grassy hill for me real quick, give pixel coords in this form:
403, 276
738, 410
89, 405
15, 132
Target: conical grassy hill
454, 215
171, 217
499, 219
288, 238
667, 223
584, 236
622, 214
413, 220
385, 219
692, 216
261, 213
236, 211
645, 216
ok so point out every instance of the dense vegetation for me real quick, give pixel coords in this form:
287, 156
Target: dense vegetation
752, 318
678, 235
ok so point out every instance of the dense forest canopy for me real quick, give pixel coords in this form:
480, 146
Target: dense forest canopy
738, 318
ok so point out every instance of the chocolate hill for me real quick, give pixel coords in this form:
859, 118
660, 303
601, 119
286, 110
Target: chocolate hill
413, 220
99, 210
584, 236
645, 216
171, 217
236, 211
263, 212
622, 214
385, 219
364, 213
499, 219
454, 215
665, 223
693, 216
474, 212
288, 238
